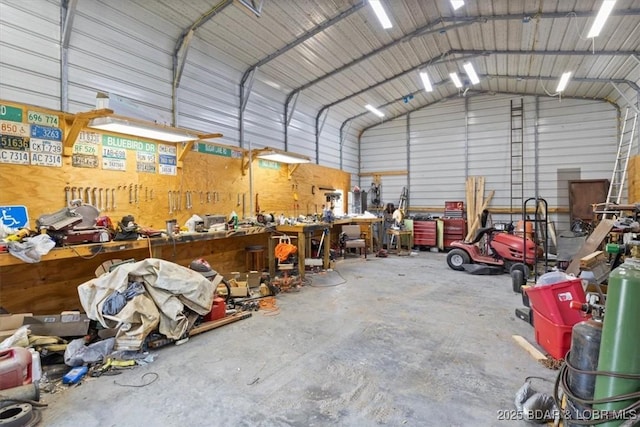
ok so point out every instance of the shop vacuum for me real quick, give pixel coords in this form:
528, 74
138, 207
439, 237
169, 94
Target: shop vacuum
601, 375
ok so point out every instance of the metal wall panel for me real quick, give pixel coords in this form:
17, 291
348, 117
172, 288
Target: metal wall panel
125, 52
574, 134
384, 148
438, 154
571, 134
30, 52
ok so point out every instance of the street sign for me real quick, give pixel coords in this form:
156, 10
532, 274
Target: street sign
14, 216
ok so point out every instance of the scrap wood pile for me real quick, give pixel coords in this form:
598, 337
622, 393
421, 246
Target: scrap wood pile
476, 203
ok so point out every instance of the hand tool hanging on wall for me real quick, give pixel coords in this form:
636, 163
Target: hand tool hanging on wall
257, 205
113, 199
180, 200
146, 194
136, 193
100, 203
81, 193
94, 192
187, 196
73, 193
201, 197
208, 197
151, 194
170, 199
130, 194
89, 198
67, 195
238, 199
106, 199
244, 213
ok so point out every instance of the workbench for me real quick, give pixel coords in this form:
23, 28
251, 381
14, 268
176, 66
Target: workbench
397, 236
50, 286
304, 245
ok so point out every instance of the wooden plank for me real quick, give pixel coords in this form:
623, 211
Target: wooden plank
385, 173
476, 221
529, 348
590, 245
207, 326
470, 195
591, 259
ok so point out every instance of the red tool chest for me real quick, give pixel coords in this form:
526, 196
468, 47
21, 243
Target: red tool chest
425, 233
454, 229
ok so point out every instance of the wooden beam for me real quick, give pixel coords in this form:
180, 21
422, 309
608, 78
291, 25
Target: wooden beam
476, 220
182, 152
384, 173
529, 348
291, 169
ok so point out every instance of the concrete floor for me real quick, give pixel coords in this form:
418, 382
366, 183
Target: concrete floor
400, 341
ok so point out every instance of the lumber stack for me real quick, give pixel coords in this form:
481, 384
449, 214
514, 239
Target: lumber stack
476, 203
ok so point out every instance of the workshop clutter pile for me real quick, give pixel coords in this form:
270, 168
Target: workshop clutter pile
131, 308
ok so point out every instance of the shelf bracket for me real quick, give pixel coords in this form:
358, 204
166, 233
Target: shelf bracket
80, 121
186, 147
291, 169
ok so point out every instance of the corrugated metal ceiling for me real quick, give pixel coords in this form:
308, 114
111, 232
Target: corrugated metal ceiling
479, 26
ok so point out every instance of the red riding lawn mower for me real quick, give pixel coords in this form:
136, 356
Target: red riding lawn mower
493, 252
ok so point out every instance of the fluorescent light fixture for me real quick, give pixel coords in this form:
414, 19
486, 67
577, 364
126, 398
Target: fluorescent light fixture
381, 13
601, 17
141, 129
280, 156
455, 79
425, 81
374, 110
562, 84
457, 4
471, 73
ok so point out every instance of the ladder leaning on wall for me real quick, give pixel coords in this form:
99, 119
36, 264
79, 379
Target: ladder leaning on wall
616, 186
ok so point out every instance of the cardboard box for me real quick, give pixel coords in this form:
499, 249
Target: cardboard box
239, 289
9, 323
65, 324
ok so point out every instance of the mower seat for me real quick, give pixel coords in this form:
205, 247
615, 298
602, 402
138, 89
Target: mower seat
481, 232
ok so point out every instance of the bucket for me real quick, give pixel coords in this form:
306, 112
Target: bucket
520, 228
15, 367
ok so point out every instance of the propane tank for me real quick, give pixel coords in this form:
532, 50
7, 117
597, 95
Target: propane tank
620, 346
585, 347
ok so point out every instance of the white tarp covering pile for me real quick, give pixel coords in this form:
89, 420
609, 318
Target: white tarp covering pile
169, 288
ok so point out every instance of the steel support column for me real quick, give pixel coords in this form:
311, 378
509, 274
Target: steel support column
67, 14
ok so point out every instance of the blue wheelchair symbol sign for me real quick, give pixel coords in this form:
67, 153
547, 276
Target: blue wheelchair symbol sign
14, 216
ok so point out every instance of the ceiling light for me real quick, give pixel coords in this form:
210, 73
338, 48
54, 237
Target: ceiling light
280, 156
380, 13
374, 110
425, 81
457, 4
601, 17
471, 73
456, 80
562, 84
141, 129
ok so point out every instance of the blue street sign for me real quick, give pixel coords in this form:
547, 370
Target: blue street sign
14, 216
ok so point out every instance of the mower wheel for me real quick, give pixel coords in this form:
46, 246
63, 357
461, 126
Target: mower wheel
456, 258
517, 281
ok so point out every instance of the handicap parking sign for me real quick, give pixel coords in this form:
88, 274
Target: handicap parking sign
14, 216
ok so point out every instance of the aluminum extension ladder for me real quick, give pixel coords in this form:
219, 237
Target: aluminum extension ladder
614, 195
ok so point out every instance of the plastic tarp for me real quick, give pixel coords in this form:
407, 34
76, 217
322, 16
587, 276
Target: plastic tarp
169, 288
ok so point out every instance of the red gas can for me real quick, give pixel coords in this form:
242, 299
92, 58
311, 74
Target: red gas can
15, 367
218, 310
